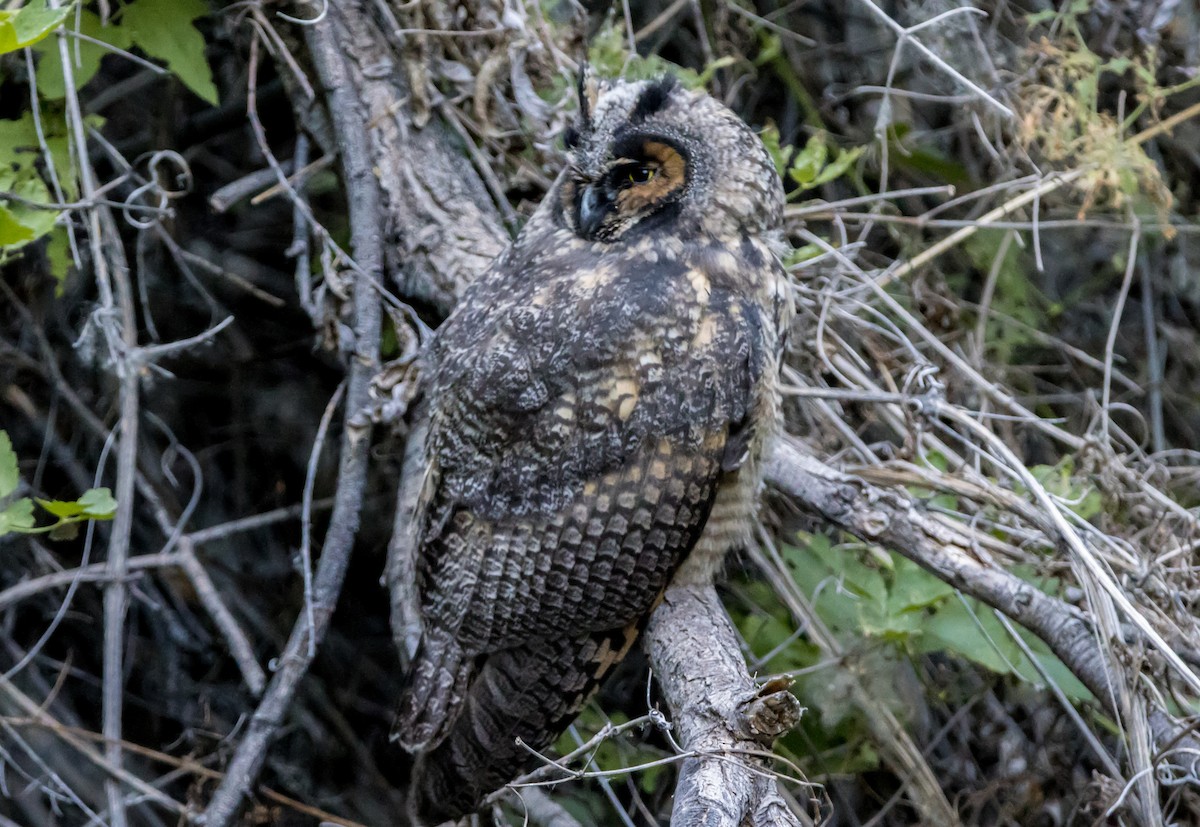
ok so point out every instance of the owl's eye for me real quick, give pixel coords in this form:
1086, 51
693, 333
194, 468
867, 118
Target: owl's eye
640, 174
629, 175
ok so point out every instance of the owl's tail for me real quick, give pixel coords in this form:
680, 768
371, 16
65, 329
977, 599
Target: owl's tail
436, 688
531, 693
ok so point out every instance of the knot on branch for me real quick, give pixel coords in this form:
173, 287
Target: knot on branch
771, 712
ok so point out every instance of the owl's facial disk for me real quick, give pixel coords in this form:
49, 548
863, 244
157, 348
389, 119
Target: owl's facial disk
643, 176
627, 160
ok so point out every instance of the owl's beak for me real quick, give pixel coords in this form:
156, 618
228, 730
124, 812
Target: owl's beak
594, 204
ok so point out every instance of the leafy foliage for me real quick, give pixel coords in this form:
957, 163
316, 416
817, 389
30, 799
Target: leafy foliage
885, 610
20, 175
1066, 121
29, 24
162, 29
18, 515
165, 29
610, 55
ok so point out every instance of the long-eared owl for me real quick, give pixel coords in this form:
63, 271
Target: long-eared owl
599, 401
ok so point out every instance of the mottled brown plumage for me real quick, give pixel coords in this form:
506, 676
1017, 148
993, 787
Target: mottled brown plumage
599, 400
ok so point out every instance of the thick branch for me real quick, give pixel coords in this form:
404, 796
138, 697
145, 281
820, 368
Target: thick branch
719, 712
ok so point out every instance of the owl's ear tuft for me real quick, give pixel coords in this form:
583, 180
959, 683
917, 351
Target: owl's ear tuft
589, 92
570, 137
654, 98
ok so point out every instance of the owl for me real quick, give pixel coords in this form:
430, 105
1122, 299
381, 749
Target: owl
598, 404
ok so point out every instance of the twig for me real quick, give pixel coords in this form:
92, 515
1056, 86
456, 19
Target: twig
125, 53
182, 765
828, 208
542, 810
247, 185
1051, 184
239, 645
954, 239
658, 22
905, 36
102, 761
310, 481
277, 515
1071, 539
88, 573
1154, 362
1131, 256
208, 266
152, 353
830, 213
116, 597
296, 179
775, 27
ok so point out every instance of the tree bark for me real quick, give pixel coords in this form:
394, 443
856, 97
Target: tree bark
725, 723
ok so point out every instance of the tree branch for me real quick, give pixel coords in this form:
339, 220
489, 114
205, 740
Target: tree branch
720, 713
329, 48
436, 208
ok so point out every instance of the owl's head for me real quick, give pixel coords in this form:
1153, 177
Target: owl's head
652, 154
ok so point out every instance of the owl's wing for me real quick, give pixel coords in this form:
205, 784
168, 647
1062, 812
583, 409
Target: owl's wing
563, 507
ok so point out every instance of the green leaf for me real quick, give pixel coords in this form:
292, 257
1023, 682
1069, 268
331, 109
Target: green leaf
914, 589
848, 594
25, 224
63, 509
85, 56
13, 232
10, 474
1040, 17
95, 504
771, 140
838, 168
711, 69
163, 29
810, 160
98, 504
65, 531
610, 56
58, 254
970, 633
811, 167
1118, 65
21, 155
17, 517
799, 255
20, 174
29, 24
